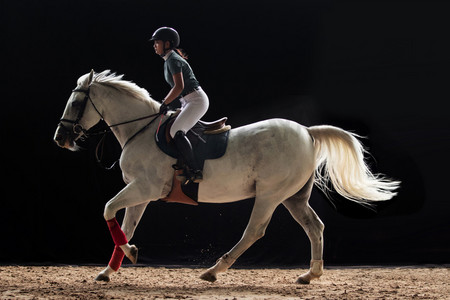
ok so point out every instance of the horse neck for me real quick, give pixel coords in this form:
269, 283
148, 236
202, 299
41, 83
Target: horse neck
119, 108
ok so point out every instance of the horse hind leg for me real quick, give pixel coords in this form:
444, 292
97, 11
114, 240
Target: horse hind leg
259, 220
303, 213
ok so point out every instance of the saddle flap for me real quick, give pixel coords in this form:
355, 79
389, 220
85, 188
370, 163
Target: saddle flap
208, 143
177, 195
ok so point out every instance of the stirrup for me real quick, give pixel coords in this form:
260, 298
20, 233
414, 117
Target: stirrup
198, 176
189, 176
177, 167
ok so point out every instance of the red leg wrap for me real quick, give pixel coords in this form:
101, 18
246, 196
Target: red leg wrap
116, 258
117, 234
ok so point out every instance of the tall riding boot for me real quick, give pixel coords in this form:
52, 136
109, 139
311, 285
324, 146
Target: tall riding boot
193, 172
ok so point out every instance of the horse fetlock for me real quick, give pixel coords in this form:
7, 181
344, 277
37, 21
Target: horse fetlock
315, 271
221, 266
224, 263
316, 267
131, 252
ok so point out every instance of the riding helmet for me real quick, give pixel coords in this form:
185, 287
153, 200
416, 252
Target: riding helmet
167, 34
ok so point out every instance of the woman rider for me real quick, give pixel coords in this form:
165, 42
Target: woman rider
194, 101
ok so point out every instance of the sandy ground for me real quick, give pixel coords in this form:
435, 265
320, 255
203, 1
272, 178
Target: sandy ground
77, 282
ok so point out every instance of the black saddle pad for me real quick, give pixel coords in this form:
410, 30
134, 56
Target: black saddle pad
205, 146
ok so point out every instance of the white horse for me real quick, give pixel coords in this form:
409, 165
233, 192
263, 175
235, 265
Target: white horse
275, 161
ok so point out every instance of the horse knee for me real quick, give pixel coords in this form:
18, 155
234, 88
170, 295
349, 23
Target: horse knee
109, 211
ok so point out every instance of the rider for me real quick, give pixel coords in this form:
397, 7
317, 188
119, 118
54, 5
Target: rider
194, 101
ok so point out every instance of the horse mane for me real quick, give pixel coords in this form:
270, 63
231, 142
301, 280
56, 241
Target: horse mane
111, 79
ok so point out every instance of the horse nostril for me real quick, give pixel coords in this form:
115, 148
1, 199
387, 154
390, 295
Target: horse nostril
59, 139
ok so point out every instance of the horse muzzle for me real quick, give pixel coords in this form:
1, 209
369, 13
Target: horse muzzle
64, 138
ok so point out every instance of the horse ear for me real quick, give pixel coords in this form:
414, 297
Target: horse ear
91, 76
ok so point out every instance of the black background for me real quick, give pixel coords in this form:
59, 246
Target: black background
378, 68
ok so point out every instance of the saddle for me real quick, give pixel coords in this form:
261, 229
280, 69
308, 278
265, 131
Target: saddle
209, 141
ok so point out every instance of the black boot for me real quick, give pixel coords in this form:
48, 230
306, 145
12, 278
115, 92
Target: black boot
192, 172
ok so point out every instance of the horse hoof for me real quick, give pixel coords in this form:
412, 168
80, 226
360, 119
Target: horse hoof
307, 277
133, 254
102, 277
208, 277
301, 280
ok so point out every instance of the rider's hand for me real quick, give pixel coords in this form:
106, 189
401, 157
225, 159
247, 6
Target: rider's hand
163, 109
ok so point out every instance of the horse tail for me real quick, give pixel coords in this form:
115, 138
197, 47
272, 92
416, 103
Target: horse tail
340, 159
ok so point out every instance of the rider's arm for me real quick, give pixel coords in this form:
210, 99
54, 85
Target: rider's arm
177, 88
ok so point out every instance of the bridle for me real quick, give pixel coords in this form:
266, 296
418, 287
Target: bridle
77, 128
78, 132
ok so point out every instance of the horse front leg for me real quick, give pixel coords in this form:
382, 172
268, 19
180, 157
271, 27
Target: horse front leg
131, 220
132, 198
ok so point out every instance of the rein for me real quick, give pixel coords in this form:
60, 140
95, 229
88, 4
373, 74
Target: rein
78, 129
101, 143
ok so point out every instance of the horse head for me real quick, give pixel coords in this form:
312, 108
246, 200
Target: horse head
79, 115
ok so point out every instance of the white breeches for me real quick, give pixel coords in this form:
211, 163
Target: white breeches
193, 107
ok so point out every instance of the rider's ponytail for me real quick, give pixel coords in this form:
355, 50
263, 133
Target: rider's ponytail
181, 53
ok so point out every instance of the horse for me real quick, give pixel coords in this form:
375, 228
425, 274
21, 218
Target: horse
274, 161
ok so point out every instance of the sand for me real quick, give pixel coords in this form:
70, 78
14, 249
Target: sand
77, 282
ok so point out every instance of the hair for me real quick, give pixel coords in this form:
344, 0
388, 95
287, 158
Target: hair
340, 159
181, 53
108, 78
113, 80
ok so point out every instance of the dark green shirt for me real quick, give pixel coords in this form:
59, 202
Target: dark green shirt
176, 64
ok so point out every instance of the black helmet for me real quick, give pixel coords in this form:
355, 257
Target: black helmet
167, 34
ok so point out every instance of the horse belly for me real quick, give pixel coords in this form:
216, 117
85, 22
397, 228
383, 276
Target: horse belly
223, 184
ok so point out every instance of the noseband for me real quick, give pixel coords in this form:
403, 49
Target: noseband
77, 128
